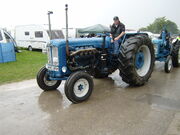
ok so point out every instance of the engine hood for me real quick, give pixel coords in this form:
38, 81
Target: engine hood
157, 41
96, 42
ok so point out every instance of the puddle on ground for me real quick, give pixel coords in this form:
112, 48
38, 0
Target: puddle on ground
160, 102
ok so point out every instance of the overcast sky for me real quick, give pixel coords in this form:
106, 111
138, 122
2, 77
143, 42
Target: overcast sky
133, 13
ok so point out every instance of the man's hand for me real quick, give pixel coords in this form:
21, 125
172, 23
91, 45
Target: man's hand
112, 40
117, 38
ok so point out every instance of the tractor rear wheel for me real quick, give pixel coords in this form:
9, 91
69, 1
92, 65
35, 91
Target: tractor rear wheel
176, 54
136, 60
44, 82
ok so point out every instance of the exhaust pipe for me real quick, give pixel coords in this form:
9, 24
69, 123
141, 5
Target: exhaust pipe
103, 42
104, 55
49, 20
67, 41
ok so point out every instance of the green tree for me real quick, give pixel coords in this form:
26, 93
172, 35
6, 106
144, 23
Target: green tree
159, 23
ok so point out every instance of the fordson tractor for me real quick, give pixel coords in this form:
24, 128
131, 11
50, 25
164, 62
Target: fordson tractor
166, 51
78, 60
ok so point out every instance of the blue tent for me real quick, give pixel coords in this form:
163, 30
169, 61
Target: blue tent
7, 47
7, 52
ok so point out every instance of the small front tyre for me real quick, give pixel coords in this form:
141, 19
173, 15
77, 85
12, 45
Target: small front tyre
168, 64
79, 87
44, 82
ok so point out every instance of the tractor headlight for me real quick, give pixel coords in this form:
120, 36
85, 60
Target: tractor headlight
64, 69
55, 56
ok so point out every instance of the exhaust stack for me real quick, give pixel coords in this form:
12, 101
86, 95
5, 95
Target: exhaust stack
49, 23
67, 42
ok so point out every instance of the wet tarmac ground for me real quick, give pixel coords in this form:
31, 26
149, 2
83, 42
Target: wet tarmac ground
113, 109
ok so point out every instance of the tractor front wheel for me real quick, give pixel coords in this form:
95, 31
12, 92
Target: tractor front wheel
168, 64
136, 60
44, 82
78, 87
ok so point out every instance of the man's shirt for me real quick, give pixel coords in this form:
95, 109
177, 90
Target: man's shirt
116, 30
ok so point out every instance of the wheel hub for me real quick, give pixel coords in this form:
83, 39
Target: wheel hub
81, 87
139, 60
142, 60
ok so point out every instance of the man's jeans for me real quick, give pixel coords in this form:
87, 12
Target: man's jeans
116, 46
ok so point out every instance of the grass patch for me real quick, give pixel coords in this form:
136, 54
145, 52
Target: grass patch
26, 67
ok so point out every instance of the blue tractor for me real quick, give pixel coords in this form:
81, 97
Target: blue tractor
78, 60
167, 51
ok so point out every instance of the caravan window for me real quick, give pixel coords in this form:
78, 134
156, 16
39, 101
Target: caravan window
38, 34
1, 38
26, 33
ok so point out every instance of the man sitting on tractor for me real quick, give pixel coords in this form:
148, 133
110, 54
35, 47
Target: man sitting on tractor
117, 33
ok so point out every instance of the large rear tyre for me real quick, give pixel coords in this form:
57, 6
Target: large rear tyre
176, 54
79, 87
44, 82
136, 60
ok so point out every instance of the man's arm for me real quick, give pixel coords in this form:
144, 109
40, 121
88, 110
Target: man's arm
122, 33
111, 38
112, 31
118, 37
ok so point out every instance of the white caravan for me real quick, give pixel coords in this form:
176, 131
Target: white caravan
72, 32
31, 37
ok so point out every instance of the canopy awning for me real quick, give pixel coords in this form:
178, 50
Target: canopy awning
95, 29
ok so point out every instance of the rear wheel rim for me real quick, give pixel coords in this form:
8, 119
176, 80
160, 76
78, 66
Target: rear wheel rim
143, 63
81, 87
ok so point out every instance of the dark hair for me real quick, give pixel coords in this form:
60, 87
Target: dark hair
116, 18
